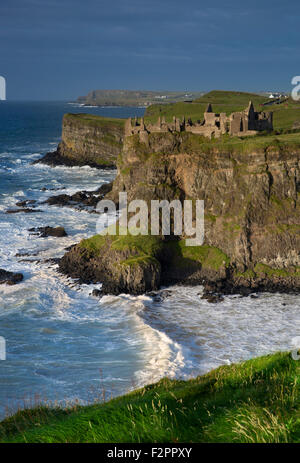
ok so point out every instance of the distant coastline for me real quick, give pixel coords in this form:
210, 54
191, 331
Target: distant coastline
135, 98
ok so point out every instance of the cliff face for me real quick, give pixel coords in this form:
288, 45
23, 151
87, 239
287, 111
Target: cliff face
252, 198
88, 140
91, 139
251, 192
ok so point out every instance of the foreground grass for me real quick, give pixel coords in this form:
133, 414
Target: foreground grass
255, 401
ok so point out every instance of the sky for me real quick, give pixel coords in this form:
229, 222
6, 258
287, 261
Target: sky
61, 49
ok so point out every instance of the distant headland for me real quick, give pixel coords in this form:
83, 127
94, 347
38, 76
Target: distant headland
135, 97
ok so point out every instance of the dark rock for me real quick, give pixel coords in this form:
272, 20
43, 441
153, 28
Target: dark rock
161, 296
10, 278
52, 189
56, 158
97, 293
44, 232
68, 248
26, 254
27, 210
105, 188
109, 268
26, 202
53, 260
213, 298
86, 200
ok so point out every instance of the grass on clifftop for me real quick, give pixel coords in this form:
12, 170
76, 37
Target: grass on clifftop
145, 248
194, 143
94, 120
254, 401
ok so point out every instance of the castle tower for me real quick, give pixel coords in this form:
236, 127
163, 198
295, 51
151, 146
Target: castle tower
177, 125
209, 116
128, 127
249, 117
250, 108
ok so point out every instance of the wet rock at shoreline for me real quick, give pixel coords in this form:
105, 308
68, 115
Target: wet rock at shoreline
55, 158
119, 270
26, 210
81, 200
52, 189
97, 293
25, 203
52, 260
44, 232
159, 296
246, 287
212, 297
10, 278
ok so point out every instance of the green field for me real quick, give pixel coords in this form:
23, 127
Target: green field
285, 114
254, 401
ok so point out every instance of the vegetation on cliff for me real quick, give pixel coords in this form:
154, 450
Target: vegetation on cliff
93, 120
136, 264
254, 401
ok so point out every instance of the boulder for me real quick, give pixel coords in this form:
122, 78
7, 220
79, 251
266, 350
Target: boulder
10, 278
44, 232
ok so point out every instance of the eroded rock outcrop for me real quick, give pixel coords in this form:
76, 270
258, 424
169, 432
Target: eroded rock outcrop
87, 140
81, 200
251, 190
252, 195
120, 263
45, 232
10, 278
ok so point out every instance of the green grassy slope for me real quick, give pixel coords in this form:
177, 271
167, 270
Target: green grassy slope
285, 114
231, 98
255, 401
93, 120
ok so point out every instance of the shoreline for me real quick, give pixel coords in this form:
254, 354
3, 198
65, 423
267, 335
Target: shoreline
55, 158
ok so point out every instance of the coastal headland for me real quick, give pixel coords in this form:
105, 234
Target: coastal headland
250, 186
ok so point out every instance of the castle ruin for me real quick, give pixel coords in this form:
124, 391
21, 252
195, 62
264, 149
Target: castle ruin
243, 123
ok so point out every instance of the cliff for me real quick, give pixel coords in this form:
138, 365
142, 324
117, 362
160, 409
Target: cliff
88, 140
251, 190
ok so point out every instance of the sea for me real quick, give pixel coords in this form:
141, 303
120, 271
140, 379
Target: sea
65, 346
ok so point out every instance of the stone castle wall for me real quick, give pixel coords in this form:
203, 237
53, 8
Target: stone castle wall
247, 122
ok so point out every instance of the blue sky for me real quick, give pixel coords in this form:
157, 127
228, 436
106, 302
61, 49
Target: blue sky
60, 49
